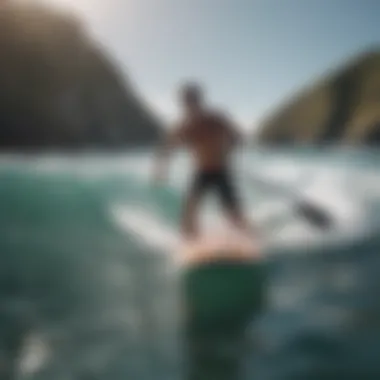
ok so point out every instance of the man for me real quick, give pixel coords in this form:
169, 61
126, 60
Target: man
210, 136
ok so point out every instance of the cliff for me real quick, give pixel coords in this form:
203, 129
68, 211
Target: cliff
341, 108
60, 90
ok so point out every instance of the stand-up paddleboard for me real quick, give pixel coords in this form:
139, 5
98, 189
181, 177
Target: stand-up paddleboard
222, 279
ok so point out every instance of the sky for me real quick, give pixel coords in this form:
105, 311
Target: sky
250, 54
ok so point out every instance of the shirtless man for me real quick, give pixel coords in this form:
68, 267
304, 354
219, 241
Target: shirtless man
210, 136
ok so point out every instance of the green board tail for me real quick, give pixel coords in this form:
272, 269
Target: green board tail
221, 299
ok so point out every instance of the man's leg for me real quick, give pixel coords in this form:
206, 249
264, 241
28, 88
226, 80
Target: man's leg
191, 207
232, 204
189, 216
238, 219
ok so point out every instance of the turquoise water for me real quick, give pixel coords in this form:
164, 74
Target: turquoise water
89, 287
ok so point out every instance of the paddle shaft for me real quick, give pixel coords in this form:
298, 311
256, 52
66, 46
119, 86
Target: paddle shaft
312, 213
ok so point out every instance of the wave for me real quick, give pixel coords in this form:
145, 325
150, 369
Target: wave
86, 281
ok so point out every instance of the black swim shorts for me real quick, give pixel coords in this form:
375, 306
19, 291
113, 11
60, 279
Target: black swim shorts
218, 181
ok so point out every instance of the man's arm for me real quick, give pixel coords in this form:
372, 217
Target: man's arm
233, 132
171, 141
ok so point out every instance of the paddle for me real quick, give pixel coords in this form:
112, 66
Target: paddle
313, 214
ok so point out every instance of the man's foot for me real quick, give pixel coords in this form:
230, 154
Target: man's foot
242, 225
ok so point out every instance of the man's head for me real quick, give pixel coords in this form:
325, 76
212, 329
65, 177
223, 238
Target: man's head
191, 96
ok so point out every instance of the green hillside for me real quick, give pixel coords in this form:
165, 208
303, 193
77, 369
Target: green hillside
342, 107
59, 89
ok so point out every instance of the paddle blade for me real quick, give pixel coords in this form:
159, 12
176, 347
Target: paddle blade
314, 215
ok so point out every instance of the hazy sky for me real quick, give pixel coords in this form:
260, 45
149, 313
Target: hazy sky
251, 54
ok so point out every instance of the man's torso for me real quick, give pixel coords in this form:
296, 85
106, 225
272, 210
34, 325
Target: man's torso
207, 137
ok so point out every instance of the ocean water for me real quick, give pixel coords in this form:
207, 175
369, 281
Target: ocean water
89, 280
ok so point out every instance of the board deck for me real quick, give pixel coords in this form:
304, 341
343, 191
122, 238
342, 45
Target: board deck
222, 243
212, 243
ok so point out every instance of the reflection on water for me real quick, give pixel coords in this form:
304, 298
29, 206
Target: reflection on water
82, 299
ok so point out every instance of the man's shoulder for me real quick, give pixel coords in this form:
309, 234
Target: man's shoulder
220, 116
216, 113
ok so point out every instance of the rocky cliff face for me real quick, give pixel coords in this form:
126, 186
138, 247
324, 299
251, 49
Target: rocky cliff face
59, 90
343, 107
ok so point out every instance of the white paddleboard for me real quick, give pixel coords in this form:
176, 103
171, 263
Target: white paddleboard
213, 243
